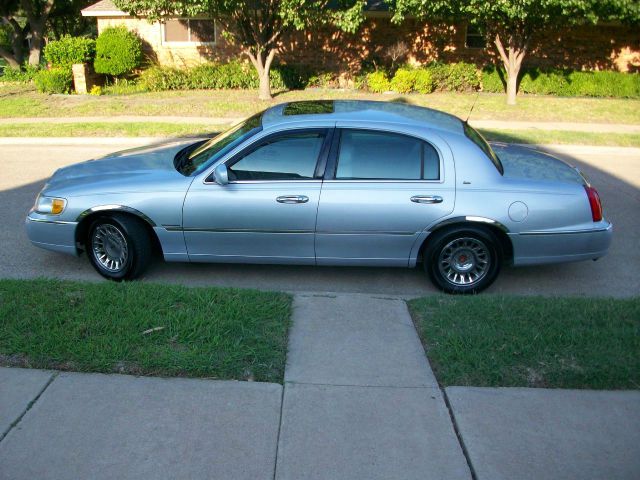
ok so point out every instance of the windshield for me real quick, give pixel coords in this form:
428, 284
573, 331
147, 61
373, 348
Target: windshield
479, 140
194, 161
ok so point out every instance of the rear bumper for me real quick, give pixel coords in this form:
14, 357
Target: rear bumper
536, 248
55, 235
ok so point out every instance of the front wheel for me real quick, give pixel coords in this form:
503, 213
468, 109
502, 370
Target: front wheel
463, 260
119, 247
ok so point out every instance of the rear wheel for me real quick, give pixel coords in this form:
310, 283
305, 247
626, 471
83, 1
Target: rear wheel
463, 259
119, 247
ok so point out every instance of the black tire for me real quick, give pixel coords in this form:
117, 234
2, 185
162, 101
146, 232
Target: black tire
463, 260
129, 235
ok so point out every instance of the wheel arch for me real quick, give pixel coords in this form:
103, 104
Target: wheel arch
498, 229
87, 217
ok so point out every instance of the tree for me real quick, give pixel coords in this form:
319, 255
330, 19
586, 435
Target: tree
257, 26
16, 33
511, 24
36, 13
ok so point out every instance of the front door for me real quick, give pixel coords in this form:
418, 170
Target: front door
267, 211
381, 190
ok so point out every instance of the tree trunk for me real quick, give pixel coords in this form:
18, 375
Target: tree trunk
37, 42
9, 58
262, 60
512, 60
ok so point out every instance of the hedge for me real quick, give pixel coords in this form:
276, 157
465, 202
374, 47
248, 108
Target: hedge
567, 83
56, 80
232, 75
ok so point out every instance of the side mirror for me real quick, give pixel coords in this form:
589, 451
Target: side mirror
221, 175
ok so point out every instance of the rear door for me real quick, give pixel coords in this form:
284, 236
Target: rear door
381, 190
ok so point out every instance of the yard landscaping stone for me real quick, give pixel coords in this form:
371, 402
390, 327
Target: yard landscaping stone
527, 433
113, 426
18, 388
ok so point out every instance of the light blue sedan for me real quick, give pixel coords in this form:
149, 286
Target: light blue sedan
327, 183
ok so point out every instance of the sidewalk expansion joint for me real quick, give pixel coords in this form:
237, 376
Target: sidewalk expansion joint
347, 385
465, 452
29, 406
275, 466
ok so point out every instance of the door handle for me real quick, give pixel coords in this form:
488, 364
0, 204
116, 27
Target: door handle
292, 199
426, 199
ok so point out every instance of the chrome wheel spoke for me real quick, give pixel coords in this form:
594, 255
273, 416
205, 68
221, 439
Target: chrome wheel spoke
109, 247
464, 261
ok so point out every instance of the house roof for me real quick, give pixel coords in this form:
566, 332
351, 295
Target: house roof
106, 8
103, 8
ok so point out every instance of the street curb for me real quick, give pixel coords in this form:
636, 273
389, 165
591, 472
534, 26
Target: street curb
140, 141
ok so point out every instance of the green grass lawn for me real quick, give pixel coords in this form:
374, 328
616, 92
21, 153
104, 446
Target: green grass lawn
98, 327
531, 341
152, 129
23, 101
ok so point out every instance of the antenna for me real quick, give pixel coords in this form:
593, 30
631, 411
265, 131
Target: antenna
472, 106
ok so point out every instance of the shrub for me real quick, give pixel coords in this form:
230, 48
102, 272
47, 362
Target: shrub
423, 81
404, 80
56, 80
96, 90
118, 51
567, 83
69, 50
232, 75
378, 82
20, 75
492, 80
454, 77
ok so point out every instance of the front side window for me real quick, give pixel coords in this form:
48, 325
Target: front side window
193, 161
365, 155
284, 157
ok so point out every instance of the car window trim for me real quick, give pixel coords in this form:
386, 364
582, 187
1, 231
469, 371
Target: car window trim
324, 150
332, 162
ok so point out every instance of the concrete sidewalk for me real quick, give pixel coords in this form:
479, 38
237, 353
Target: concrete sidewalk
486, 124
359, 402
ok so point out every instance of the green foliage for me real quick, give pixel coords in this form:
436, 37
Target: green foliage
19, 75
56, 80
567, 83
404, 81
454, 77
118, 51
423, 81
378, 82
213, 76
69, 50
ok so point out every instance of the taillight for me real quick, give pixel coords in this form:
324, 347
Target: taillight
594, 202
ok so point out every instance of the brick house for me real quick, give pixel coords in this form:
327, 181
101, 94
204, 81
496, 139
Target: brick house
187, 41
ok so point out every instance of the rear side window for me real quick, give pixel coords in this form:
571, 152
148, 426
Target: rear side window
366, 155
285, 157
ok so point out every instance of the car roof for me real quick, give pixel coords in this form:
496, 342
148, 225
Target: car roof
360, 110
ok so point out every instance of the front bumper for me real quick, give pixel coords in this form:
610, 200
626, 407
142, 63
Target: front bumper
536, 248
50, 234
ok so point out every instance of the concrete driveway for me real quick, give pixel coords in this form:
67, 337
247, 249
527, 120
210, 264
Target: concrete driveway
617, 177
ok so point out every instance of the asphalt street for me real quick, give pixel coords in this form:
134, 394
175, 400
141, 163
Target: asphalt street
25, 168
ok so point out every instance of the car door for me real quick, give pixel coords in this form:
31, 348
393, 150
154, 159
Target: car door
267, 211
381, 190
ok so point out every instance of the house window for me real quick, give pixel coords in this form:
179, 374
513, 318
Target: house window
474, 37
189, 30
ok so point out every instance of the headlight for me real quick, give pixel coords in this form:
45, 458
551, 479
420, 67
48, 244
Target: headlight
49, 205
